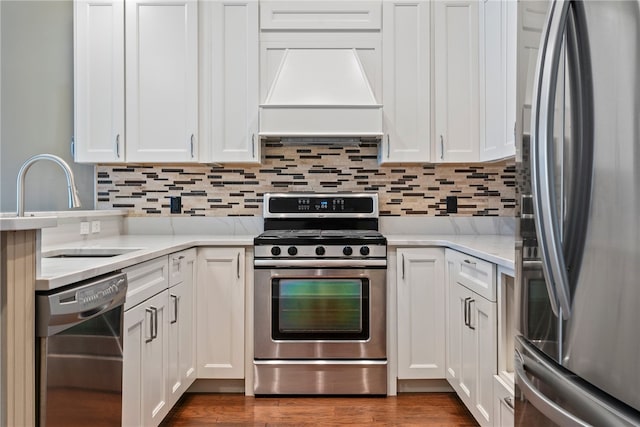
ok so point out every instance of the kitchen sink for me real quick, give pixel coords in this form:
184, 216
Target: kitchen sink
87, 252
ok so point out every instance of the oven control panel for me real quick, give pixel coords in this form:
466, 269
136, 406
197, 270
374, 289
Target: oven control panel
337, 204
320, 251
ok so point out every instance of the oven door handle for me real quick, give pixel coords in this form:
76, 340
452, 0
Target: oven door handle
319, 263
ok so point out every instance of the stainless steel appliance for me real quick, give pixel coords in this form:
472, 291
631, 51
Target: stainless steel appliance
577, 356
79, 330
320, 296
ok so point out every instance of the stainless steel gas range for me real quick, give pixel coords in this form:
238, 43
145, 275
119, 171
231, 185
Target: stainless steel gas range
320, 296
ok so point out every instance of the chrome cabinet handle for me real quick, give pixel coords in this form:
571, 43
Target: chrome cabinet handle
73, 147
402, 266
118, 146
388, 146
253, 145
542, 169
466, 261
192, 145
150, 311
441, 148
177, 259
175, 308
466, 311
471, 301
155, 323
238, 265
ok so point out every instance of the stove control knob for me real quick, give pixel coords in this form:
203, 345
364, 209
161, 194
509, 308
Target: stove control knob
275, 251
347, 250
292, 250
320, 250
364, 251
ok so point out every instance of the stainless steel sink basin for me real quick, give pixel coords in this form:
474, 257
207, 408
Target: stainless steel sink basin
87, 252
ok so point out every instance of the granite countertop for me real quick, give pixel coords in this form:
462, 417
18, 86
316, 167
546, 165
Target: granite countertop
57, 272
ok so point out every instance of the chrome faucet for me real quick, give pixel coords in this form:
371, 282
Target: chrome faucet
74, 198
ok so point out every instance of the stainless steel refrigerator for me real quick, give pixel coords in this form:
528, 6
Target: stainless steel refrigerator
577, 355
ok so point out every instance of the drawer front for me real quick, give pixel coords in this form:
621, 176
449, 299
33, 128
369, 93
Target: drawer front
320, 15
145, 280
475, 274
178, 264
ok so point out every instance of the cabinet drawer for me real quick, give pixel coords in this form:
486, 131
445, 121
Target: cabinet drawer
145, 280
320, 15
474, 273
178, 265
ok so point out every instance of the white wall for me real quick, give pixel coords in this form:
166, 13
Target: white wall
37, 103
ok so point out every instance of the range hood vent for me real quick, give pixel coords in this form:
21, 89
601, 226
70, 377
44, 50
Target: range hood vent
321, 93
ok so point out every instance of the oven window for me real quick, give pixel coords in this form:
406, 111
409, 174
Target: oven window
320, 308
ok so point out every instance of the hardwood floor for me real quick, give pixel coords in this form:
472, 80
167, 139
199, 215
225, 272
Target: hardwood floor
410, 409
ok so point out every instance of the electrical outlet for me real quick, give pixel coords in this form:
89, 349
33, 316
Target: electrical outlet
95, 226
452, 204
175, 204
84, 227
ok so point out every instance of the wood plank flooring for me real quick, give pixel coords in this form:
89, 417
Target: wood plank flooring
407, 409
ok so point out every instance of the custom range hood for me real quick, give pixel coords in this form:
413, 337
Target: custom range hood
321, 96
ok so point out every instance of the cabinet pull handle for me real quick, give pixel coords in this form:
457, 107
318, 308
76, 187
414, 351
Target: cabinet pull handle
388, 146
441, 148
73, 147
175, 309
466, 311
155, 323
509, 402
238, 265
402, 266
150, 311
191, 142
471, 301
253, 146
466, 261
118, 146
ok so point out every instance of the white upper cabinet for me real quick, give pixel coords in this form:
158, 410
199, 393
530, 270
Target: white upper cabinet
230, 79
406, 71
319, 15
162, 80
99, 81
498, 23
457, 127
148, 78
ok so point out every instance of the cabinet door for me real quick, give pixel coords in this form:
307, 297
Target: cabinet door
421, 322
406, 50
99, 81
503, 403
484, 323
181, 315
456, 81
162, 80
220, 313
231, 103
144, 394
498, 23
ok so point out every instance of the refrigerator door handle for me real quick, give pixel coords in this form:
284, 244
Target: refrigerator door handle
542, 173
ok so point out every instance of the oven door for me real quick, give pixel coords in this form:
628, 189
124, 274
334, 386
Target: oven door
320, 313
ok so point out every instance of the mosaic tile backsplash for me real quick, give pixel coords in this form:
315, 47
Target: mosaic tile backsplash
482, 189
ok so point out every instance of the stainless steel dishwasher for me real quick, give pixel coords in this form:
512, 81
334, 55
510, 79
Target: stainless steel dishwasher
79, 353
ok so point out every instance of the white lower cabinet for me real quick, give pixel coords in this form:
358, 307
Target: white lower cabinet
181, 315
503, 403
158, 343
220, 313
146, 350
421, 313
471, 360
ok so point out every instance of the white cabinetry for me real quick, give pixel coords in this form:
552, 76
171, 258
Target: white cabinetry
151, 73
159, 346
406, 82
145, 399
181, 315
230, 81
220, 313
421, 313
498, 23
456, 83
503, 403
99, 81
471, 360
